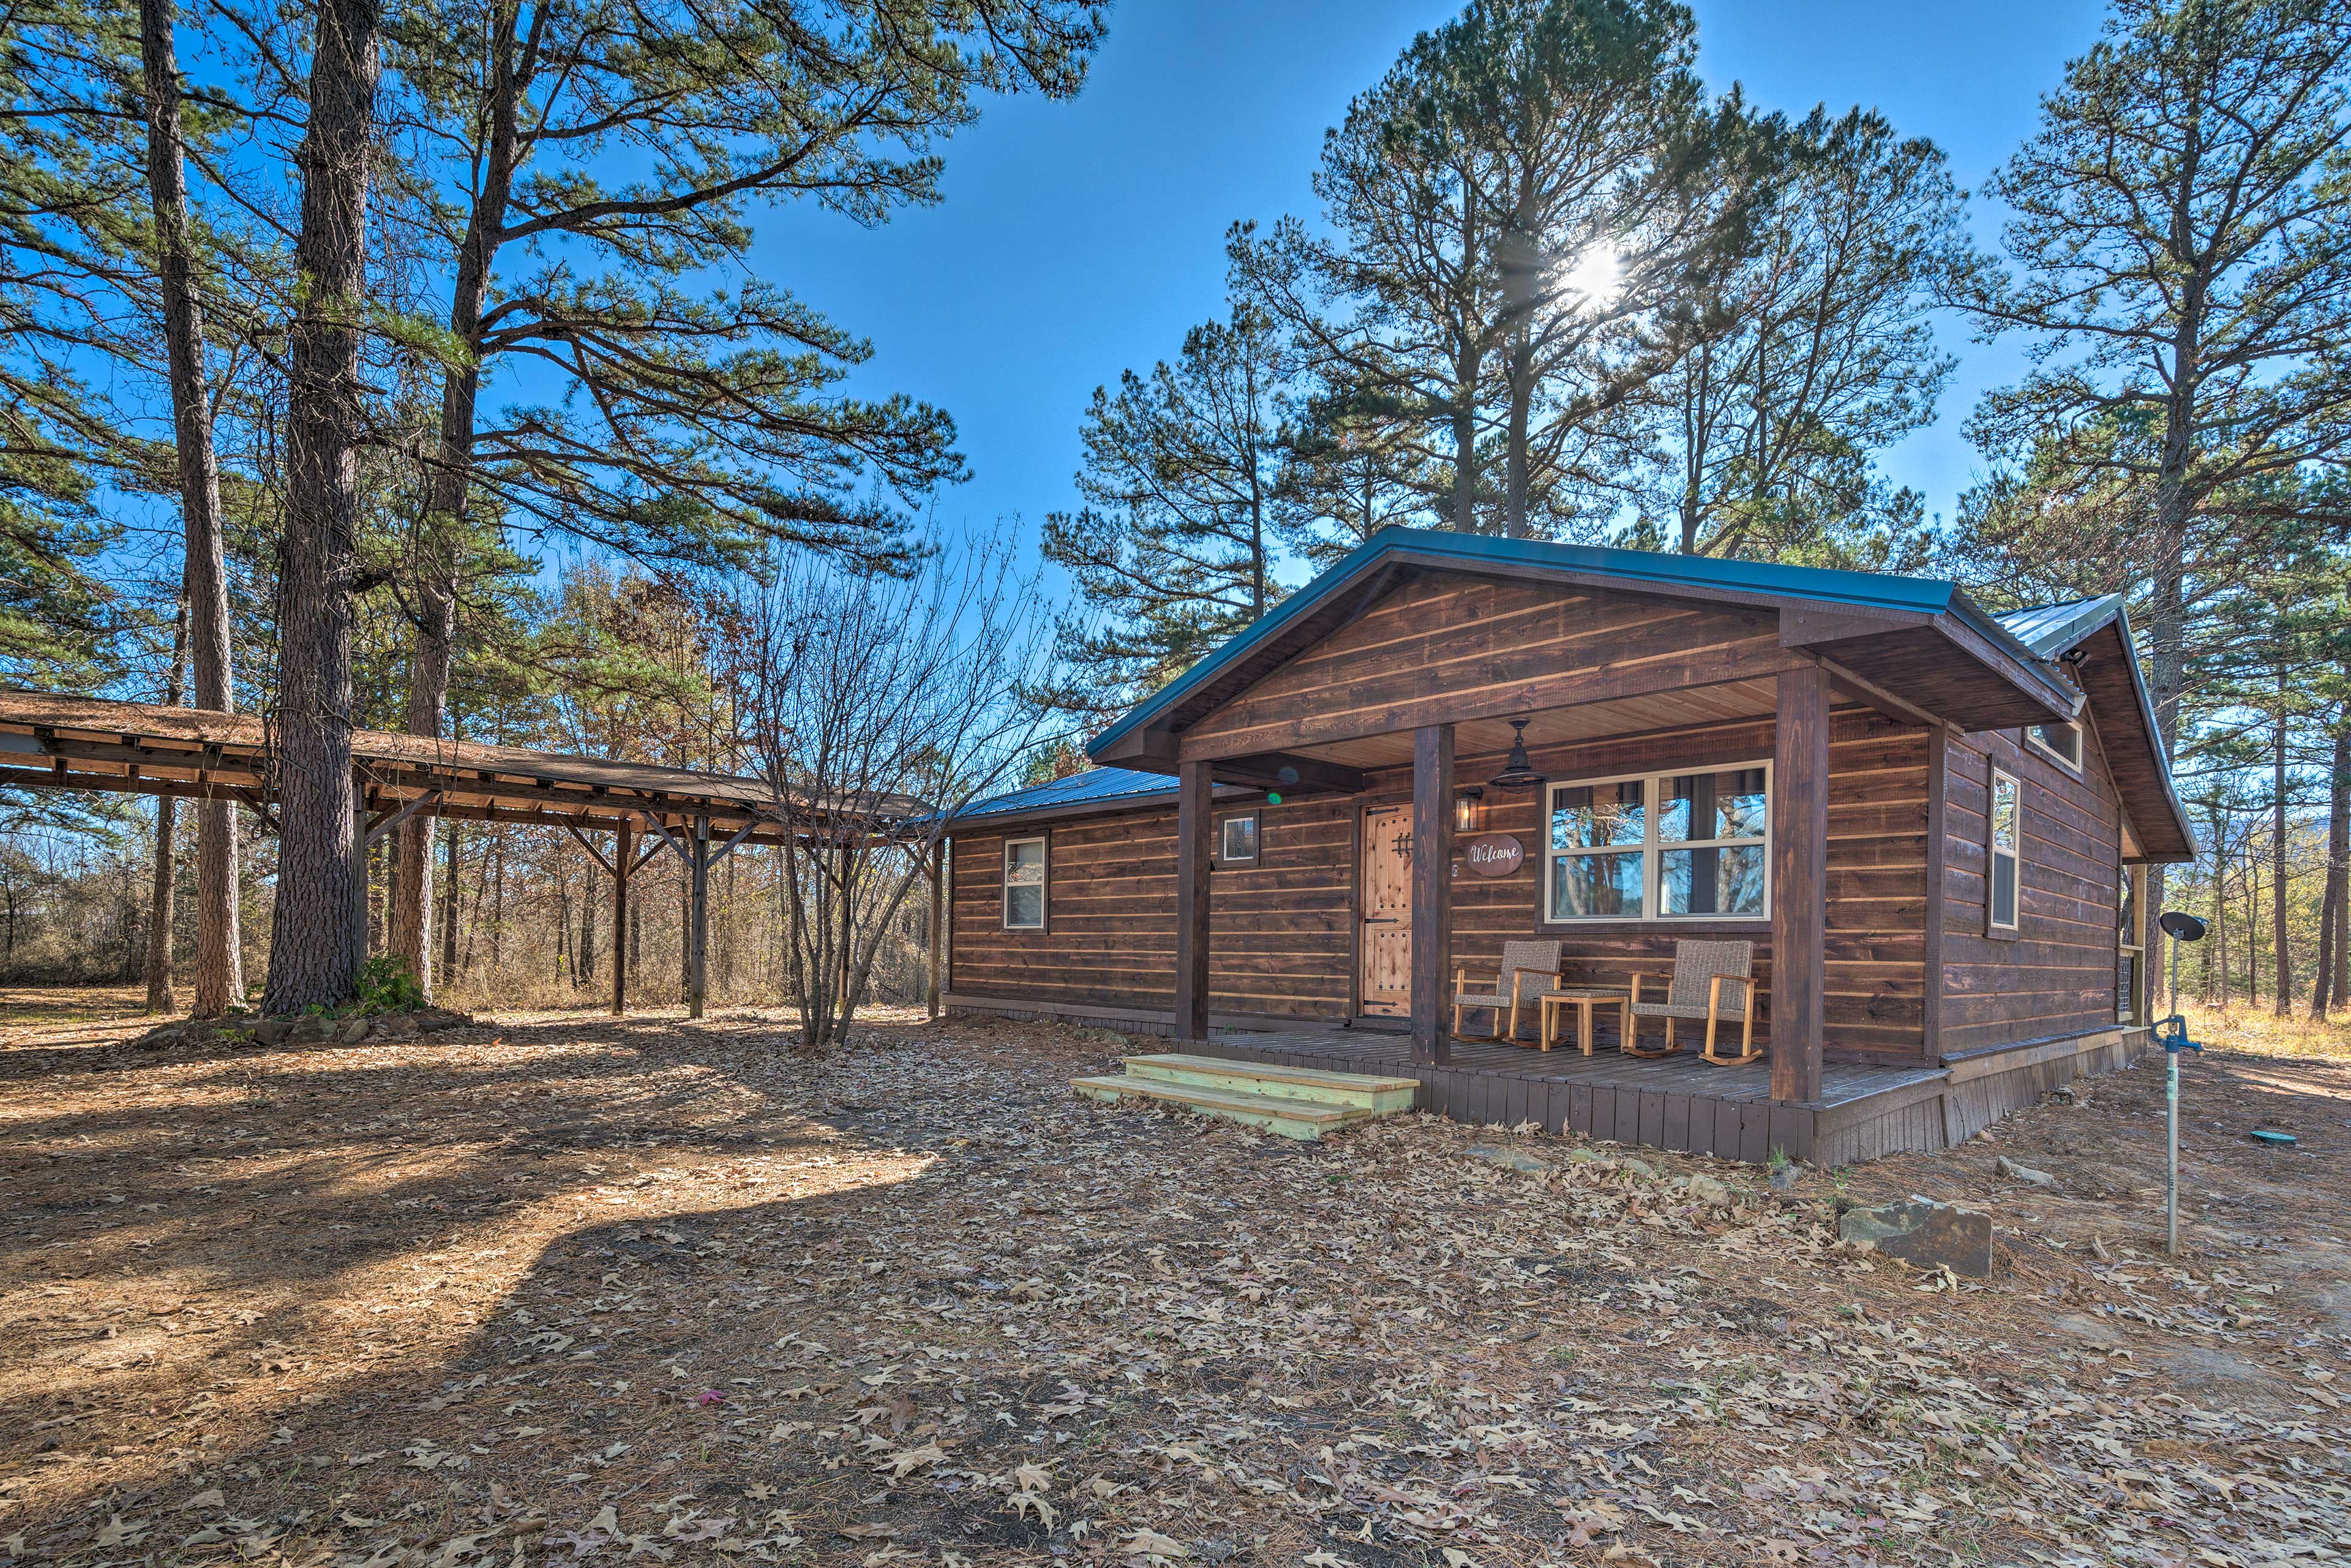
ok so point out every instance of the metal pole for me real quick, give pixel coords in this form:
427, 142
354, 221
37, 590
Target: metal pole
2171, 1123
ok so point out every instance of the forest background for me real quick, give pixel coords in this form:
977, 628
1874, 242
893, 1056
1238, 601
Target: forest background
428, 348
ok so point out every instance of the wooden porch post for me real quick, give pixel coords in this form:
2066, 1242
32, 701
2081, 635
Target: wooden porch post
1432, 891
621, 847
938, 919
697, 919
1192, 855
1800, 832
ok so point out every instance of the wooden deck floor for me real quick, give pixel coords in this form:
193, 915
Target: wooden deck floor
1681, 1102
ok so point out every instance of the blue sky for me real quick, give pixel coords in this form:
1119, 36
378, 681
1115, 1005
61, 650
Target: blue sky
1080, 238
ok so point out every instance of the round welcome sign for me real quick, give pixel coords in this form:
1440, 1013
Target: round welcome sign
1493, 854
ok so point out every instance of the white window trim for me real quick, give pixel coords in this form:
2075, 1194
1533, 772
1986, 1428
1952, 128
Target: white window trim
2081, 747
1256, 837
1044, 882
1992, 851
1651, 847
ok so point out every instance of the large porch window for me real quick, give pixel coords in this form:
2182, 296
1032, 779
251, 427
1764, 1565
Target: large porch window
1659, 846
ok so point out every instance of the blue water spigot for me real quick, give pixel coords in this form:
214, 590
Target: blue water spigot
2177, 1040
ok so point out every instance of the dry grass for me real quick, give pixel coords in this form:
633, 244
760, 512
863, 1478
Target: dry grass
2259, 1030
560, 1291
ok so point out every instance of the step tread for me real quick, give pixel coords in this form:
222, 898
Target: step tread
1307, 1076
1317, 1111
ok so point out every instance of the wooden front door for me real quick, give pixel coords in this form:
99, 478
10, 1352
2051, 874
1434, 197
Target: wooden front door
1387, 938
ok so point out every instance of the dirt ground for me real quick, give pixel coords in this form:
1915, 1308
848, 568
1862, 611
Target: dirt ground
557, 1290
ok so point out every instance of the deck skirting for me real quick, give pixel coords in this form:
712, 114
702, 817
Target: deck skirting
1678, 1102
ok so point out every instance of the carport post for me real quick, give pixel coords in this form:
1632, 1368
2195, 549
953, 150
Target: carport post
621, 921
698, 917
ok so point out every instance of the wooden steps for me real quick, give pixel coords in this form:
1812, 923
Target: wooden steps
1295, 1101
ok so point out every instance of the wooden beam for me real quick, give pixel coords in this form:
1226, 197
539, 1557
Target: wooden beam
697, 961
620, 866
1721, 664
392, 819
594, 852
1193, 850
1432, 892
1800, 834
1280, 770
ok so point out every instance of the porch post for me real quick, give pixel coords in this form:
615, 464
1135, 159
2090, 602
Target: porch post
1432, 892
1192, 855
937, 922
622, 844
1800, 834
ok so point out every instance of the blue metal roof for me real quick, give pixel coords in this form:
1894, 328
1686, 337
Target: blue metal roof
1488, 552
1094, 785
2052, 629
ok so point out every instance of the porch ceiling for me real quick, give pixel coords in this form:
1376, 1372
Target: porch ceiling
1587, 721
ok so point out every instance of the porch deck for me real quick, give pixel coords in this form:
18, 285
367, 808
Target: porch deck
1681, 1102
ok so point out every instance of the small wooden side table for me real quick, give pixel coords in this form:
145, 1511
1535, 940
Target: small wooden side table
1584, 998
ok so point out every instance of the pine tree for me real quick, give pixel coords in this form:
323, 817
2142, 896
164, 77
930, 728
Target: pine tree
1175, 548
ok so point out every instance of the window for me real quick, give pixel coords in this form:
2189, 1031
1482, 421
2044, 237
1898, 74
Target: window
1666, 846
1237, 840
2006, 836
2130, 951
2061, 741
1024, 884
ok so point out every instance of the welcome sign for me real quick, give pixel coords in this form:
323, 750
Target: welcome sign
1493, 854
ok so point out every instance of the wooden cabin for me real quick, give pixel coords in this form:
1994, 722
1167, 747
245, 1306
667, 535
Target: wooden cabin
1930, 822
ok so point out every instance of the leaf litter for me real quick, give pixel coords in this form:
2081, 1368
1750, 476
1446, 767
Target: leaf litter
562, 1291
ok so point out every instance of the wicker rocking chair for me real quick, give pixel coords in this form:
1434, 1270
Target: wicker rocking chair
1711, 980
1521, 962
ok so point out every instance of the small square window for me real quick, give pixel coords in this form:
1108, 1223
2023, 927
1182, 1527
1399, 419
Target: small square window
1237, 840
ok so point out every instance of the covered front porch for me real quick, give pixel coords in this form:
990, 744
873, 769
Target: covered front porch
1783, 719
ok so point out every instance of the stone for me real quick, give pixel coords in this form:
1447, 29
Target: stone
2025, 1174
1641, 1169
272, 1031
1705, 1190
1510, 1159
311, 1028
1783, 1178
1925, 1233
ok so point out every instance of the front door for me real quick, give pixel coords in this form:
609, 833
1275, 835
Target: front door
1387, 938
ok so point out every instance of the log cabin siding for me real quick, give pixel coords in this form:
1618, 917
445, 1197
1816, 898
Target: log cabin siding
1282, 933
1282, 930
2056, 974
1448, 648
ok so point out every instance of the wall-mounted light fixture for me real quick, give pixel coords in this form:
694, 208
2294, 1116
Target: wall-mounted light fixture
1468, 809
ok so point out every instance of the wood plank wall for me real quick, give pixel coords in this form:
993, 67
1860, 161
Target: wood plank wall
2056, 974
1282, 931
1448, 648
1282, 940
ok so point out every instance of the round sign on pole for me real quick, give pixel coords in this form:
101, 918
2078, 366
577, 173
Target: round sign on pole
1493, 854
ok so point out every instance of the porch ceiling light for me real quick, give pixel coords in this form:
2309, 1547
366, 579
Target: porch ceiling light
1517, 772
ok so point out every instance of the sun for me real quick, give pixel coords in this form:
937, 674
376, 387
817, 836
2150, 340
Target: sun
1595, 278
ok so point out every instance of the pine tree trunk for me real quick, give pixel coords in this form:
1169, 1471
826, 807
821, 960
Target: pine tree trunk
2283, 955
315, 938
159, 917
220, 969
441, 533
2325, 989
